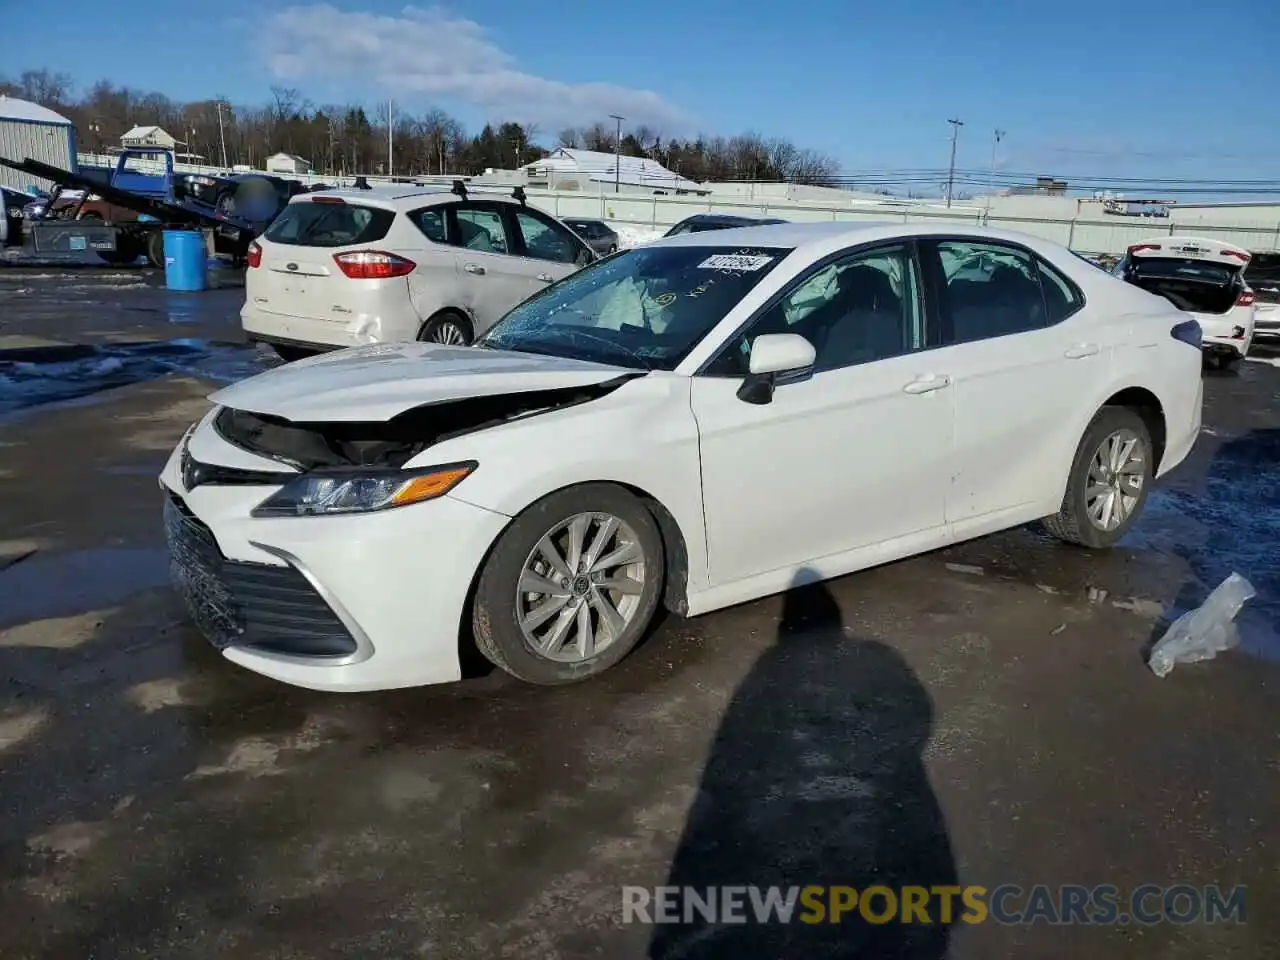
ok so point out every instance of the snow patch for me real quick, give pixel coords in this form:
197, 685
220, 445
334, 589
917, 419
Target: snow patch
630, 235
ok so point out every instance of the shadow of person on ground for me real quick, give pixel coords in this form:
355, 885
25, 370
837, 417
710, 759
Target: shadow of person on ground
816, 778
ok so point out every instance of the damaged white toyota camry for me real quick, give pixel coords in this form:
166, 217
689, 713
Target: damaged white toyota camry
692, 423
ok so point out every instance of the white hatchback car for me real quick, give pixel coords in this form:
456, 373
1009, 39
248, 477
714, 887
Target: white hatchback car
340, 268
696, 422
1206, 279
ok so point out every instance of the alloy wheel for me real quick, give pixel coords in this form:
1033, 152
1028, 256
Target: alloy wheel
447, 331
580, 587
1116, 475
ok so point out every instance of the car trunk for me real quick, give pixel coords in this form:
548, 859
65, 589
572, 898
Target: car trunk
302, 282
1196, 286
298, 275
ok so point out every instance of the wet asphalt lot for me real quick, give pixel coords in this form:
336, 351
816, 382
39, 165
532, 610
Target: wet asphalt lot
981, 715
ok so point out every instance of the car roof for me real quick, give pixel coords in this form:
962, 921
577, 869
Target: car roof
722, 218
401, 196
792, 235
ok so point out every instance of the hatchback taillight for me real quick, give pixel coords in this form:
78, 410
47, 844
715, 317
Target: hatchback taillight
254, 257
373, 265
1188, 332
1246, 299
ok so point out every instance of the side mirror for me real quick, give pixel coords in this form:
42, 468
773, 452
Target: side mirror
775, 358
585, 256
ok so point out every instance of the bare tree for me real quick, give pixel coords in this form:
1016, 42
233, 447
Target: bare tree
648, 139
598, 137
569, 137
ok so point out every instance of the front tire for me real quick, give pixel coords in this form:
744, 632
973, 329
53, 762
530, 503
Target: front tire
571, 586
1109, 481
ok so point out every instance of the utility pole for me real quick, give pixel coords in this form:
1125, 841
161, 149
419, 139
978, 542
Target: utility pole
617, 154
390, 128
222, 136
995, 144
951, 170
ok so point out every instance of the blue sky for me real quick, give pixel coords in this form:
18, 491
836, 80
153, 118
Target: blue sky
1171, 89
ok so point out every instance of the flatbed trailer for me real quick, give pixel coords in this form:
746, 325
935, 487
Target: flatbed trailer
120, 243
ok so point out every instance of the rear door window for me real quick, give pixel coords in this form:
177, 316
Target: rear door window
432, 222
544, 239
481, 227
987, 290
324, 224
1062, 298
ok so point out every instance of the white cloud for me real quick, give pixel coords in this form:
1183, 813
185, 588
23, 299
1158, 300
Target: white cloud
438, 55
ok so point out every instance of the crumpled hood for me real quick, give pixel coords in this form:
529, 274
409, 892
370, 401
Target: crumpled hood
378, 381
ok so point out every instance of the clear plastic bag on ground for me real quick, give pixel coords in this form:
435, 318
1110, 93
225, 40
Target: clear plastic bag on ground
1204, 632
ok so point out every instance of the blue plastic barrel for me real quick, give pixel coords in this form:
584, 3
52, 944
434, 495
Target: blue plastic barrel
185, 260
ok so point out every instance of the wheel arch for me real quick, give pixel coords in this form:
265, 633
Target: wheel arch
1146, 405
1142, 400
675, 591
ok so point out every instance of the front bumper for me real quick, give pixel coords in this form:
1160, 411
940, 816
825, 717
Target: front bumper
342, 603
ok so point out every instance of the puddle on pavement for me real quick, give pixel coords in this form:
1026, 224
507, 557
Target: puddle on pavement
1232, 526
32, 377
63, 584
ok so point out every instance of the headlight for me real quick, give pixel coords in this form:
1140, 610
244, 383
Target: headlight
362, 491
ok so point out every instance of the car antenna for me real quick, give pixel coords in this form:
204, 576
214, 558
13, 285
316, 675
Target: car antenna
361, 184
518, 193
460, 189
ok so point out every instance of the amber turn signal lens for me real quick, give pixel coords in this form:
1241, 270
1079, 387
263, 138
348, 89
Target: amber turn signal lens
431, 485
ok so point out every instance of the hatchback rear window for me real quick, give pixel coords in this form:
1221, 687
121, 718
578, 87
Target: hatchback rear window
323, 224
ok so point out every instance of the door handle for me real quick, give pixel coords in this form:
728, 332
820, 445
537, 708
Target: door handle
927, 384
1080, 350
474, 268
545, 277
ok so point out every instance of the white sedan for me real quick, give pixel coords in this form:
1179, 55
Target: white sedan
694, 423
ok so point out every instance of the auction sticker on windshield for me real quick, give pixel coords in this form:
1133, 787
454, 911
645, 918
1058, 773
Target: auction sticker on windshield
734, 261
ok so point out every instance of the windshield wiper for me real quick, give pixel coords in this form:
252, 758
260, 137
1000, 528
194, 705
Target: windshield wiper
616, 347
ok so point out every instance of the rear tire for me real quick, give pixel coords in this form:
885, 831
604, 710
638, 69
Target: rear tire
448, 327
1109, 481
290, 354
155, 248
550, 650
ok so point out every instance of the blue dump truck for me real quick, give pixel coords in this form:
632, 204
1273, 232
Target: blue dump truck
121, 214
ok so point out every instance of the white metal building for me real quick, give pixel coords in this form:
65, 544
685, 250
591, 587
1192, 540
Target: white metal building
590, 170
287, 163
149, 136
28, 130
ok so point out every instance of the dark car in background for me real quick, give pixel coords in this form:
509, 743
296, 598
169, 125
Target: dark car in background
12, 203
716, 221
1262, 276
598, 234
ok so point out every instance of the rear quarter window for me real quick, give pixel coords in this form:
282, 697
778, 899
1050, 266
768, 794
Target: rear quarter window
311, 224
